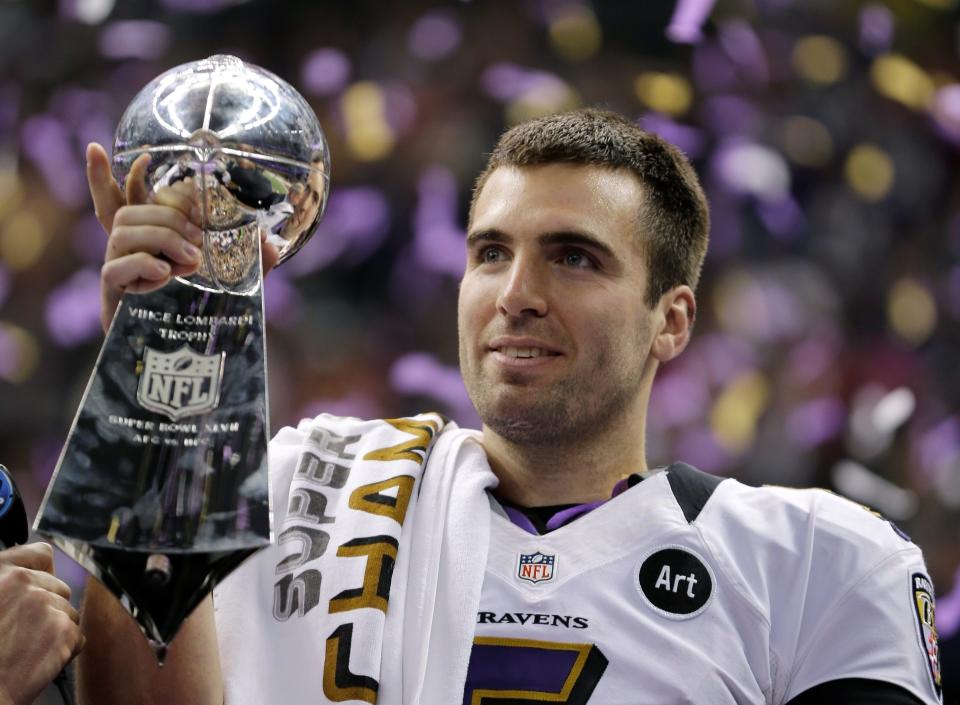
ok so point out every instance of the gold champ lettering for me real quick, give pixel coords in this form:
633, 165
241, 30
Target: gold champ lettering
389, 498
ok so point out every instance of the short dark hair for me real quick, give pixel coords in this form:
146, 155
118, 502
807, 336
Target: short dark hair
674, 217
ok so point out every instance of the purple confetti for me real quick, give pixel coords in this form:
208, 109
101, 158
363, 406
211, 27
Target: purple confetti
435, 36
678, 398
946, 112
421, 374
85, 11
742, 45
545, 12
412, 285
73, 309
67, 9
688, 139
507, 81
686, 25
953, 233
96, 127
89, 239
948, 610
783, 217
731, 115
876, 29
43, 459
9, 109
504, 81
281, 300
46, 141
354, 226
816, 421
87, 114
952, 295
9, 355
725, 232
810, 360
439, 243
72, 105
747, 168
5, 283
325, 71
778, 48
938, 447
134, 39
764, 309
700, 448
713, 71
724, 357
201, 6
400, 106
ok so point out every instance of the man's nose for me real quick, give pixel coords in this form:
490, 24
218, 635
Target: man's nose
523, 291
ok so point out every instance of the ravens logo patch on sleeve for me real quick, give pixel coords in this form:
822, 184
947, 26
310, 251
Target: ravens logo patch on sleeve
921, 592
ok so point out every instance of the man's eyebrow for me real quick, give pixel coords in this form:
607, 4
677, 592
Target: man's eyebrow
560, 237
488, 235
573, 237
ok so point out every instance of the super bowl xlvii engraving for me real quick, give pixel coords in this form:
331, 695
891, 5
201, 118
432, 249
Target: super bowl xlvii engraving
162, 488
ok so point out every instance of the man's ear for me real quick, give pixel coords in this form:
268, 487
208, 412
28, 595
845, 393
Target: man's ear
677, 308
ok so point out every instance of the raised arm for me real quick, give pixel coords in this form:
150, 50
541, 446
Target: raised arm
117, 666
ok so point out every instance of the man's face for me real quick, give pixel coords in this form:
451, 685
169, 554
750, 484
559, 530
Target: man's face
554, 332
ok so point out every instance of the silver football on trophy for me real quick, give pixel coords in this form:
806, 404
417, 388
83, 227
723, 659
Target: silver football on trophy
246, 146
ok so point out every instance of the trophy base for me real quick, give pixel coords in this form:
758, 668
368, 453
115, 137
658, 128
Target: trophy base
159, 590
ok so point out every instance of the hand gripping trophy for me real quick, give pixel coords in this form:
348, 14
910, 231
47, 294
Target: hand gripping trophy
161, 489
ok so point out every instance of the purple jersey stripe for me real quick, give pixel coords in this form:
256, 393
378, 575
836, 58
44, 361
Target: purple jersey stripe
511, 667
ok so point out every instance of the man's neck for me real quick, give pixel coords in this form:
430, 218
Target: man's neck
583, 470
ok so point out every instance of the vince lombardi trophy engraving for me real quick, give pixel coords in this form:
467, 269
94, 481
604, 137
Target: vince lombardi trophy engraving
162, 489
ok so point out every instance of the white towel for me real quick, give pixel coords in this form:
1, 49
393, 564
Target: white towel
276, 614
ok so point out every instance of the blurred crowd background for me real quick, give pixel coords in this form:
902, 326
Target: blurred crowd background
826, 133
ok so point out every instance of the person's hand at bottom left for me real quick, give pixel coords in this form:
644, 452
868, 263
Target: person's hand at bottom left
39, 628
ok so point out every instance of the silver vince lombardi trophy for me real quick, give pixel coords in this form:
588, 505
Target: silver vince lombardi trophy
162, 488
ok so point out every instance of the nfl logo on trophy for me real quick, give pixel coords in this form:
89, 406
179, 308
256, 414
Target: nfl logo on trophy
536, 567
181, 383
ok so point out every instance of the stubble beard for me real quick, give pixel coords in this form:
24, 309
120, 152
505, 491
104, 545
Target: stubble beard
567, 413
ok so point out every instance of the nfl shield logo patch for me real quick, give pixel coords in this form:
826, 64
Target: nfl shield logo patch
180, 383
536, 567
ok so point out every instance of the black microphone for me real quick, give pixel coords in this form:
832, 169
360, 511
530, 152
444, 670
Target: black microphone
14, 530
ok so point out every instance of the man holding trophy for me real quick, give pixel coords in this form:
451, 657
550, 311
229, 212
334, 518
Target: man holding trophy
538, 559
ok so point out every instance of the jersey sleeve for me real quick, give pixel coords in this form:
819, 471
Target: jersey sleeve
856, 691
866, 610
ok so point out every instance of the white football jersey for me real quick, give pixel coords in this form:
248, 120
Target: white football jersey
684, 589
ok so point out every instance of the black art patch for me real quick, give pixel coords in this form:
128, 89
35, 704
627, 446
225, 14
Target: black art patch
675, 582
